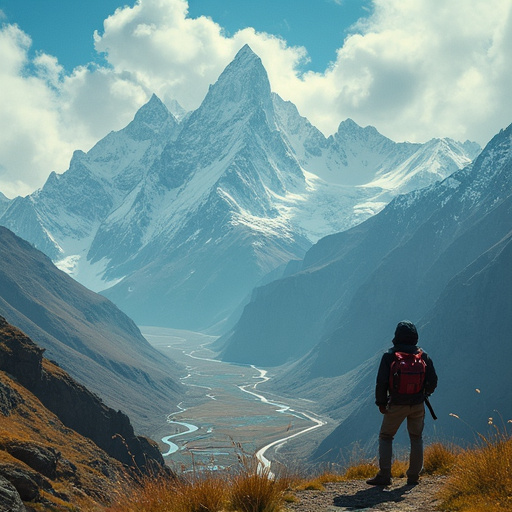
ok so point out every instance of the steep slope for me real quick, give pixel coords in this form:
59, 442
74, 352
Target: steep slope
440, 257
60, 446
62, 218
176, 223
468, 334
85, 333
4, 203
353, 285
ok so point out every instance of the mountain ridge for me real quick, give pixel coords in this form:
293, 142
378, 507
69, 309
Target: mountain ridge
439, 256
151, 215
89, 337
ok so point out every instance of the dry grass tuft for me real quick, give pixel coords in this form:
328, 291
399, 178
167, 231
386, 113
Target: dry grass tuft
251, 489
208, 494
439, 459
481, 479
154, 495
399, 468
317, 483
254, 489
361, 471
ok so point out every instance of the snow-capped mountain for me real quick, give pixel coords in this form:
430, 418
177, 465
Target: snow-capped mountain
440, 257
397, 261
176, 222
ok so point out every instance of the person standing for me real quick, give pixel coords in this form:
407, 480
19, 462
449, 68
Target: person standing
406, 377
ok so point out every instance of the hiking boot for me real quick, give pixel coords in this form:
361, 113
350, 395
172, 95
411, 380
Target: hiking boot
379, 480
413, 481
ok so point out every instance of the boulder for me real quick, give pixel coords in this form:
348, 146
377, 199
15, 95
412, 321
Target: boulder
21, 480
40, 458
9, 497
9, 399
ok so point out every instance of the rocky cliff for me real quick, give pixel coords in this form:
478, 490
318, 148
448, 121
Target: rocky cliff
58, 441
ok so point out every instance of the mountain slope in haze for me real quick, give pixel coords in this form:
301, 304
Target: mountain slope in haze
60, 446
397, 261
439, 257
177, 222
4, 203
88, 336
468, 334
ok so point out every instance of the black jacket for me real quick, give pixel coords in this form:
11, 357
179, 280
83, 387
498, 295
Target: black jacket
383, 394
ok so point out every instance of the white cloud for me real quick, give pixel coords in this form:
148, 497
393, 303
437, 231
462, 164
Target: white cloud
45, 115
30, 144
414, 69
178, 57
423, 69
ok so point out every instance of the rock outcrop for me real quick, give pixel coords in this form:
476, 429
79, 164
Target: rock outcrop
53, 429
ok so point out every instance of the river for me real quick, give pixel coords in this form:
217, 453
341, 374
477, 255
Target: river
224, 417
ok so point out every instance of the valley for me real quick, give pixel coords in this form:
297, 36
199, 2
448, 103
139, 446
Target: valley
228, 411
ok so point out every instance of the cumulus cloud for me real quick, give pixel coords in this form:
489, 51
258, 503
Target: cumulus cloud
45, 114
414, 70
30, 144
178, 57
421, 69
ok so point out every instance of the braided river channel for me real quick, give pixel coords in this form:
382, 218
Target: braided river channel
229, 413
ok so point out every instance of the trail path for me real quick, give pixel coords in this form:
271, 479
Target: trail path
357, 495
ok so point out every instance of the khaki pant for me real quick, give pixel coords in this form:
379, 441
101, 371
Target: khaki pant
394, 417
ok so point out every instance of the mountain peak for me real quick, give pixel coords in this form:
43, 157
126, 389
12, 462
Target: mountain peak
350, 127
152, 112
153, 117
246, 54
244, 79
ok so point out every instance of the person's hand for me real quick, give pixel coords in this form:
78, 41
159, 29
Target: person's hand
383, 409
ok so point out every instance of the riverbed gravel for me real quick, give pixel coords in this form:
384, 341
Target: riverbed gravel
357, 495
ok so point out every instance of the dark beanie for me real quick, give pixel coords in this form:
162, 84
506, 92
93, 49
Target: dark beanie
405, 334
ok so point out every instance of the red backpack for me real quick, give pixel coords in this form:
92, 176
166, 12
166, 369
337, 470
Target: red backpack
407, 373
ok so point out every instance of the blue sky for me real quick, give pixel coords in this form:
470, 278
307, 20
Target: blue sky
73, 70
65, 28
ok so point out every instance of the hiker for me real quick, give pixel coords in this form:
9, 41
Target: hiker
405, 379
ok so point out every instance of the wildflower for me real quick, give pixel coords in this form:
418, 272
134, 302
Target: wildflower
489, 421
454, 415
477, 390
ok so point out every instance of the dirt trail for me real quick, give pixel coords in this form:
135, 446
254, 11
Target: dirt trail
357, 495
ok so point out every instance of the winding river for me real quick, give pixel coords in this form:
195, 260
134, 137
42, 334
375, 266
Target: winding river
187, 347
260, 454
